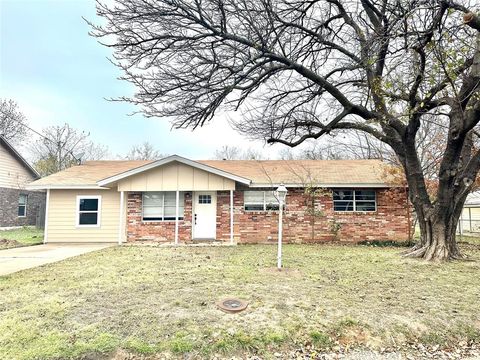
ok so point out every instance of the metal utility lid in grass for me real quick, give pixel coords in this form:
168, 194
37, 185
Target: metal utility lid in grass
232, 305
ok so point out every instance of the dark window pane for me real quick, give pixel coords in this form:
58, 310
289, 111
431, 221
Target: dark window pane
273, 206
88, 219
172, 218
253, 207
21, 210
343, 206
342, 195
88, 204
365, 206
364, 195
204, 199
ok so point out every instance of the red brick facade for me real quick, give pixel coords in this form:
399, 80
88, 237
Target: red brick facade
158, 231
306, 219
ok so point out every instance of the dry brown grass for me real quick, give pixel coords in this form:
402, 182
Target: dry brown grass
156, 300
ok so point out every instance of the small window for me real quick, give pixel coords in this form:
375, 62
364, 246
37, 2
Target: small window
204, 199
88, 210
22, 205
260, 201
354, 200
161, 205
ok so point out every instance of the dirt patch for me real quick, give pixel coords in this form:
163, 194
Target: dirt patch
7, 244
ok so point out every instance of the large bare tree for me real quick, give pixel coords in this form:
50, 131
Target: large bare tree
144, 151
12, 121
302, 69
61, 147
231, 152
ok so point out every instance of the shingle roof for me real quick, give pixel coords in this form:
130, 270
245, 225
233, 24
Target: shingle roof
264, 172
89, 173
304, 171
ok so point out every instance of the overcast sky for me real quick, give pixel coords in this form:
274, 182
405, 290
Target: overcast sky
57, 73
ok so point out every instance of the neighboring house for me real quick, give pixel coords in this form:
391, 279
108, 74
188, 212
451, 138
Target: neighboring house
470, 217
18, 206
179, 200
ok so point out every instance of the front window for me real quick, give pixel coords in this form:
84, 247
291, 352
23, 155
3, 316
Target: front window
260, 201
354, 200
88, 210
22, 205
204, 199
161, 206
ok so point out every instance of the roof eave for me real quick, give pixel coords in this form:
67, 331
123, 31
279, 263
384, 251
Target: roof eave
65, 187
167, 160
326, 185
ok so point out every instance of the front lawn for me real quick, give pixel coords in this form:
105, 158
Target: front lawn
162, 300
24, 236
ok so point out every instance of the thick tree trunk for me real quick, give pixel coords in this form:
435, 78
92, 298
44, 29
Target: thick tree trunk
437, 241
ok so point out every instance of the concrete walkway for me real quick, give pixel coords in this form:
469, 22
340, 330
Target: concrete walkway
13, 260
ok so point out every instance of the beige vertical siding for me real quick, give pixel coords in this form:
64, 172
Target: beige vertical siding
62, 217
175, 176
470, 223
12, 173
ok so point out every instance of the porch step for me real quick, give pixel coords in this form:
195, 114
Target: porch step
205, 241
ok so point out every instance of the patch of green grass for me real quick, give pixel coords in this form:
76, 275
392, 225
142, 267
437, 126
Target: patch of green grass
320, 339
140, 347
24, 236
433, 338
151, 300
180, 344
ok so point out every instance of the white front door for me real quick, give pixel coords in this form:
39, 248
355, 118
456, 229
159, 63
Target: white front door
205, 215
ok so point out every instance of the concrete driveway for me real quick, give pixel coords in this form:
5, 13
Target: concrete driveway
13, 260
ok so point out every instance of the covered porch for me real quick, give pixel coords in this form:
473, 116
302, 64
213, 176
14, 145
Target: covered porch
175, 200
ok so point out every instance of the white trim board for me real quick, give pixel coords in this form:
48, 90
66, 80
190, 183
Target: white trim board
66, 187
171, 159
320, 185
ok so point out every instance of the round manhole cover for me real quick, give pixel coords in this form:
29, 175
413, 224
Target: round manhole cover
232, 305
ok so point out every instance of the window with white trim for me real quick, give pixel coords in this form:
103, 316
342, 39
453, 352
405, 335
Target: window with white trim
161, 205
204, 199
354, 200
88, 210
22, 205
259, 200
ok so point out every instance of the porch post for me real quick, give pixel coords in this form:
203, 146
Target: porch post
177, 200
45, 230
231, 216
121, 224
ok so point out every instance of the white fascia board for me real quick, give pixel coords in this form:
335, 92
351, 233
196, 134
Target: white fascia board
65, 187
297, 185
168, 160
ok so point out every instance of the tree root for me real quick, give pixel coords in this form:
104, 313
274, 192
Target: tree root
415, 247
433, 253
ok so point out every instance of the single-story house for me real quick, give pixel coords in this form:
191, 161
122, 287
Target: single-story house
470, 216
18, 206
178, 200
